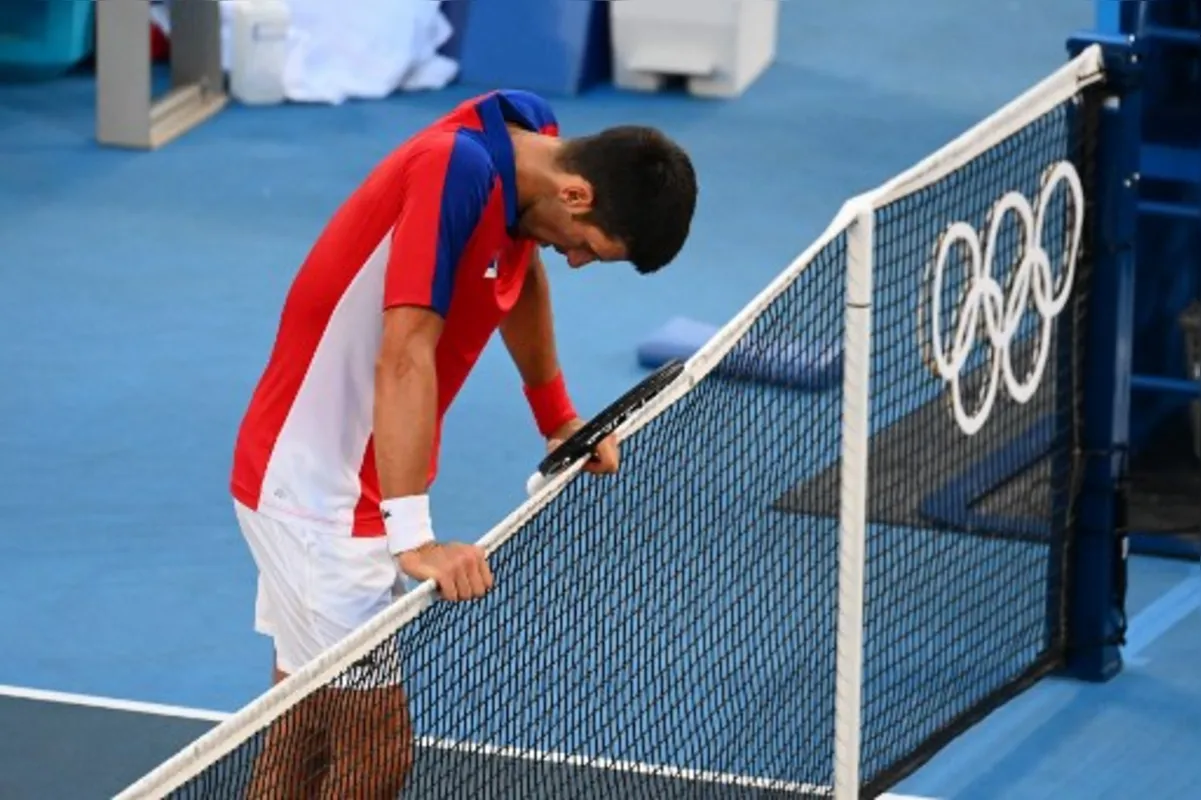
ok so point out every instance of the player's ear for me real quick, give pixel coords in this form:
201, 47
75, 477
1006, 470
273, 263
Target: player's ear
576, 194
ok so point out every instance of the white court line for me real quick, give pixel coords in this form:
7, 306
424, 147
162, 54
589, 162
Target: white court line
111, 704
702, 776
182, 712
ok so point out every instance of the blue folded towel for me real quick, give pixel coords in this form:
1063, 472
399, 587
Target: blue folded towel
793, 364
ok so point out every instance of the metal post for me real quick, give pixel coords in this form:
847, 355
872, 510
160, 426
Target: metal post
127, 115
1096, 621
852, 514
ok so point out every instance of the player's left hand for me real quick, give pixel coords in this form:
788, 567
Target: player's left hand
605, 458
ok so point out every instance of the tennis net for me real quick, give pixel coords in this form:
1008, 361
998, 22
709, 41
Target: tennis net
783, 593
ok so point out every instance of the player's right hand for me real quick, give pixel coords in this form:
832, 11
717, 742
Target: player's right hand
460, 571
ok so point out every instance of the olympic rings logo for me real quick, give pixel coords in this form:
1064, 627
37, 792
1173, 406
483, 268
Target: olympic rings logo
984, 299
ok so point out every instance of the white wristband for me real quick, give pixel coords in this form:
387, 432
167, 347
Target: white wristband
407, 522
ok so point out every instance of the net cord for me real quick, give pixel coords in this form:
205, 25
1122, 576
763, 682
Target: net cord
1059, 87
848, 684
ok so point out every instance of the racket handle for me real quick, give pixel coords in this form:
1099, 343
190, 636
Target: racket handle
535, 484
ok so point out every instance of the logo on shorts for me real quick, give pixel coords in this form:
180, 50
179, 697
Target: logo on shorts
492, 269
996, 311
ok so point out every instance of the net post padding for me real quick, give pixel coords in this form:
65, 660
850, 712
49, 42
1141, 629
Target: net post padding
852, 524
1085, 69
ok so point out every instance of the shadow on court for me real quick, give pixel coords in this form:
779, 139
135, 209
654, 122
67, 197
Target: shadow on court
60, 751
65, 751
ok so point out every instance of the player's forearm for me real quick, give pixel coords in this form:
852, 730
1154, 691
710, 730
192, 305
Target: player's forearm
406, 399
529, 330
529, 334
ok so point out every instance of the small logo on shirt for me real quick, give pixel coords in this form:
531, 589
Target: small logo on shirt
492, 268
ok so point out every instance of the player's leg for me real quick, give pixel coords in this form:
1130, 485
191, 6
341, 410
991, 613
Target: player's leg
295, 754
371, 744
294, 760
371, 737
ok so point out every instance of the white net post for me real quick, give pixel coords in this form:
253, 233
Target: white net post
853, 504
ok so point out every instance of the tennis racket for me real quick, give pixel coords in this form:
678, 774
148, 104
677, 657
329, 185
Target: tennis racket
585, 441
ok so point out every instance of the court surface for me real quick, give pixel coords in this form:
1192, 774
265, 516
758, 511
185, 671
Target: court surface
103, 745
138, 298
60, 745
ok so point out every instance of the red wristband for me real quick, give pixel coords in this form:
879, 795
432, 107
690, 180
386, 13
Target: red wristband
551, 406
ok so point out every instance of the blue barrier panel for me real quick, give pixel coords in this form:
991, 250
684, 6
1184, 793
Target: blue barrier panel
1108, 18
455, 12
40, 40
547, 46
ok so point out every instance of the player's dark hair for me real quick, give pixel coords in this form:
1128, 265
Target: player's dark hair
644, 190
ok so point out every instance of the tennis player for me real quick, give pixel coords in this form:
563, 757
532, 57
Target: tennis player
433, 253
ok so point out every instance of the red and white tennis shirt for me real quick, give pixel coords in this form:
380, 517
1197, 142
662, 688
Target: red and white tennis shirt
430, 226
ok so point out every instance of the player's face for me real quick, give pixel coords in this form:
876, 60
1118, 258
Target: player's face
561, 222
582, 243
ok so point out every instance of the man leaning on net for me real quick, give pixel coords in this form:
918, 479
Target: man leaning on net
435, 251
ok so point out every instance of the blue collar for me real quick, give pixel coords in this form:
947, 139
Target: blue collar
495, 111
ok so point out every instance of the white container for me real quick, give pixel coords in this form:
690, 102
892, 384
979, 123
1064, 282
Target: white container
258, 50
719, 46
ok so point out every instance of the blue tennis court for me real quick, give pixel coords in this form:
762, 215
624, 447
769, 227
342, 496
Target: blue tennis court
140, 293
1060, 739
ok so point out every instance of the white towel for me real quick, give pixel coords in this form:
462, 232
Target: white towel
367, 49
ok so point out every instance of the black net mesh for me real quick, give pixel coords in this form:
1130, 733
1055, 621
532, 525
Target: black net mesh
967, 540
670, 631
966, 550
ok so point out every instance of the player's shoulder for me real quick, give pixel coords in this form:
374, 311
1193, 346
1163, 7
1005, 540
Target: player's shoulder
453, 156
531, 109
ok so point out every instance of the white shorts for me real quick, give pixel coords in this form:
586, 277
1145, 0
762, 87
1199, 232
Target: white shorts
314, 588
